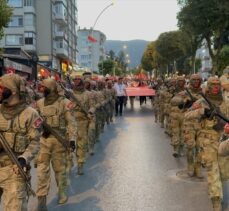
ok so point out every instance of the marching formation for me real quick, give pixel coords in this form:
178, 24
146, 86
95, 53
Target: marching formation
196, 116
48, 122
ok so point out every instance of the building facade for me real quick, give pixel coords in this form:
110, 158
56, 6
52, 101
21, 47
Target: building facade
91, 46
46, 28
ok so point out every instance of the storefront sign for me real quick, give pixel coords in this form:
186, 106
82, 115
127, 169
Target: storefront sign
17, 66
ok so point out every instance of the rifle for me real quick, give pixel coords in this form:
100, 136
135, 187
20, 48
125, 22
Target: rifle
15, 161
214, 109
57, 135
74, 98
193, 99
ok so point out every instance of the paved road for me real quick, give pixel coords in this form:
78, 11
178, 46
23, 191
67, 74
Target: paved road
133, 170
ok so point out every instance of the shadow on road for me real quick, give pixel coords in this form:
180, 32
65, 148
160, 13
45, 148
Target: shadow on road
96, 175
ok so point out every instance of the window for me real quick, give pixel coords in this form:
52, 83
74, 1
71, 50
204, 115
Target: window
30, 38
29, 19
16, 21
60, 9
14, 39
15, 3
28, 3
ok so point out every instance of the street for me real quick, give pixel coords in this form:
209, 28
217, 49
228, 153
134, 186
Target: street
132, 170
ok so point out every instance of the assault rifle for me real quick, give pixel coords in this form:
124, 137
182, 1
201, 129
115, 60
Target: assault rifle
193, 99
214, 109
56, 134
69, 93
15, 161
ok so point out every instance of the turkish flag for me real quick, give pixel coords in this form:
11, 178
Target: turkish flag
91, 39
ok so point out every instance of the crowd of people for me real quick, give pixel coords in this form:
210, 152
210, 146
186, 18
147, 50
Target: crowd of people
196, 115
49, 121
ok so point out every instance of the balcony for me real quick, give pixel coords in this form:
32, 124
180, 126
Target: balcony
61, 52
61, 19
29, 9
29, 48
61, 34
64, 2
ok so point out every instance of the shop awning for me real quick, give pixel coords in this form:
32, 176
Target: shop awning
8, 64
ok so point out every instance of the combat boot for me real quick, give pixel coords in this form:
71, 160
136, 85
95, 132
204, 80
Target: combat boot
216, 203
42, 204
190, 170
62, 196
91, 151
176, 151
80, 169
197, 171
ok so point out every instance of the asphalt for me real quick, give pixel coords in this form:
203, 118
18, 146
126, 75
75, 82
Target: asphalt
133, 170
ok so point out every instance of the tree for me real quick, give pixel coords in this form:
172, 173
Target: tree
106, 67
224, 58
112, 55
5, 14
206, 19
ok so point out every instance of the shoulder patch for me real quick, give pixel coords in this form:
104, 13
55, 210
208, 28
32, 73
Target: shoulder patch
70, 105
37, 123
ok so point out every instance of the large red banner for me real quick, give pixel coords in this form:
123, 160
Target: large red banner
139, 91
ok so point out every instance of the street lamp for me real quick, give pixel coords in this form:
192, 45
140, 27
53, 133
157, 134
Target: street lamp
90, 36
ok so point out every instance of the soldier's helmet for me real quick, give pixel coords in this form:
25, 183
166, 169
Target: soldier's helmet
180, 81
213, 85
50, 84
13, 82
195, 81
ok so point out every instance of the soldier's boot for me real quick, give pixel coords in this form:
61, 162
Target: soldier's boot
190, 163
62, 197
216, 203
176, 151
162, 125
91, 150
41, 206
80, 169
197, 171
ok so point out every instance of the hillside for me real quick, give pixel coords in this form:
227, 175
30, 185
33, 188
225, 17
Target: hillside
135, 49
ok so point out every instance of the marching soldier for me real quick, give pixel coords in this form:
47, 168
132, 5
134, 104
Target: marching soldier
191, 130
209, 136
84, 111
21, 127
56, 111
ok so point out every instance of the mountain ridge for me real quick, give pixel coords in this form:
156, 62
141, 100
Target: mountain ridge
135, 49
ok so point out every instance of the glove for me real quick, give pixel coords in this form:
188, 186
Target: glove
181, 106
207, 112
188, 104
72, 145
22, 162
46, 133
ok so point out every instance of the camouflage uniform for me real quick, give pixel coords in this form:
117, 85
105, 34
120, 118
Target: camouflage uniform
20, 125
177, 117
112, 94
92, 120
191, 130
56, 112
83, 112
208, 139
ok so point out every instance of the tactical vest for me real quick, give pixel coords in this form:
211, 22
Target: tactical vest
54, 114
15, 132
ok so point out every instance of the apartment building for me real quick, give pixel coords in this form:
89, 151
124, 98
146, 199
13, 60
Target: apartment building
91, 46
46, 28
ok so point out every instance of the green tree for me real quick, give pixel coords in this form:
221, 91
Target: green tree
106, 67
5, 14
206, 19
223, 58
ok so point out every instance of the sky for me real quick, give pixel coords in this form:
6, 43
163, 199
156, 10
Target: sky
129, 19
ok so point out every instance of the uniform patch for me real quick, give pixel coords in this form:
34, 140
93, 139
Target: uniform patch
196, 105
70, 105
37, 123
